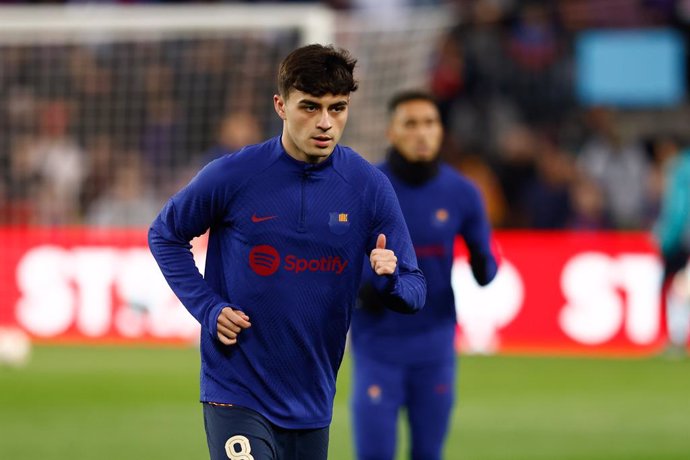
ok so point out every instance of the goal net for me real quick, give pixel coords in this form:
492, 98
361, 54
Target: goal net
101, 106
395, 51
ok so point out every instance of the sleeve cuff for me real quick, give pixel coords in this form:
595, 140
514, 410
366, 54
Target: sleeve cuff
386, 284
212, 325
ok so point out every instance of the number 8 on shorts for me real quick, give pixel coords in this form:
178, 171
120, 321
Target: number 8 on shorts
238, 448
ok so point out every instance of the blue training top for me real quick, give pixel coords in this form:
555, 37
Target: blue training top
285, 246
436, 211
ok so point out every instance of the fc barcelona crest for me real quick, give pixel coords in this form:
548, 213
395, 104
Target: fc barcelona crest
339, 222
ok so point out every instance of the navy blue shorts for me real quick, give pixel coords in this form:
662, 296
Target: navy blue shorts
237, 433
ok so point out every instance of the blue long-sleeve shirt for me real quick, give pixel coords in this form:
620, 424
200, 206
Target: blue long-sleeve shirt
436, 211
285, 246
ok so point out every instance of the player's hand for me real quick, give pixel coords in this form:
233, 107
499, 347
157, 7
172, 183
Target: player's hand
383, 261
230, 323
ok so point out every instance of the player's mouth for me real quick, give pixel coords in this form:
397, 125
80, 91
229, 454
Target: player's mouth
423, 150
322, 142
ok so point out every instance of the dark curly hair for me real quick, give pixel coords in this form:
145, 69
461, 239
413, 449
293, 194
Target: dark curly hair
317, 70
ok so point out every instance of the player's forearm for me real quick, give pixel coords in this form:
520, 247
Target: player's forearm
176, 262
484, 266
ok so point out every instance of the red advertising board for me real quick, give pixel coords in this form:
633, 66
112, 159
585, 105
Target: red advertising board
556, 292
563, 292
89, 285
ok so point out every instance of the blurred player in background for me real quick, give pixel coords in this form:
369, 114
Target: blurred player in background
289, 220
672, 231
235, 130
409, 361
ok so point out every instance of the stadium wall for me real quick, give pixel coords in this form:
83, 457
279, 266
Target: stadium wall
556, 292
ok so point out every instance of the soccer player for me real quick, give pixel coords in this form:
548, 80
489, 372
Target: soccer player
290, 220
409, 361
672, 232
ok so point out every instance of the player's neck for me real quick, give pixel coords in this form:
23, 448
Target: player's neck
414, 173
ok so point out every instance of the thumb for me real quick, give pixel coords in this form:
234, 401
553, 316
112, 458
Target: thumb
381, 241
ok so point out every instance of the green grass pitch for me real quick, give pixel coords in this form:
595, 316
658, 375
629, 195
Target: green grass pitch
140, 403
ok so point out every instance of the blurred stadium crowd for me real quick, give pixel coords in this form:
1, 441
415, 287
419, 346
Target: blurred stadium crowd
101, 135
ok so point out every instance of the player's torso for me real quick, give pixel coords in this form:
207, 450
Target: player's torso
432, 215
310, 223
434, 218
293, 239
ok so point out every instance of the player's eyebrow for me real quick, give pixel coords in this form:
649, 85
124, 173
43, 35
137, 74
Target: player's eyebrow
338, 105
313, 103
308, 102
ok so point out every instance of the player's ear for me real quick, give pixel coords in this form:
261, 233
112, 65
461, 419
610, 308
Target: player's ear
279, 105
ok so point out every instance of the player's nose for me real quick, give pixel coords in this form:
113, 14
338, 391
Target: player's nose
324, 121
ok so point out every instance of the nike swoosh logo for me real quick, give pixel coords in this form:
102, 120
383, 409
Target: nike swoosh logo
257, 219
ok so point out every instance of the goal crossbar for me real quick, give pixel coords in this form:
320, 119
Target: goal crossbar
19, 24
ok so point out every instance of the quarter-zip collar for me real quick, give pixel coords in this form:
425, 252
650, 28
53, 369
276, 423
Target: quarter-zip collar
305, 166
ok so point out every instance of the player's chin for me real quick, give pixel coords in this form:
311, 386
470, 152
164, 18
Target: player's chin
425, 155
320, 154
